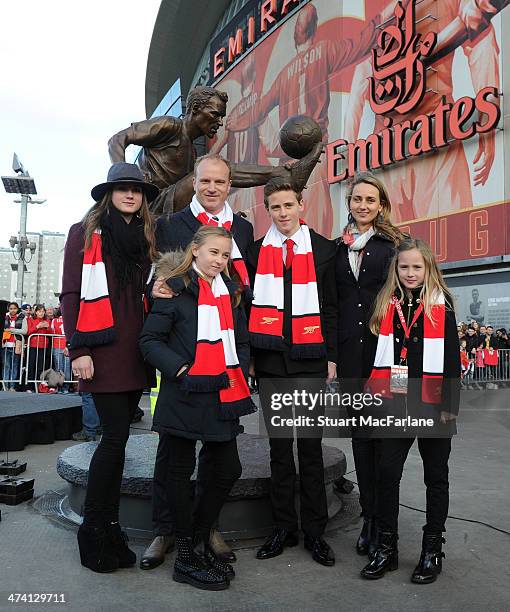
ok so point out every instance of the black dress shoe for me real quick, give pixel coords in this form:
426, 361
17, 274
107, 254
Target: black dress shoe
321, 550
276, 542
154, 554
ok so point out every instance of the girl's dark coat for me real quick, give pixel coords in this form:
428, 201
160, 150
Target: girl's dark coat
168, 342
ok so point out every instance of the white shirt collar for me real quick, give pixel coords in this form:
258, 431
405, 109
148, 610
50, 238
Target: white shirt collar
297, 237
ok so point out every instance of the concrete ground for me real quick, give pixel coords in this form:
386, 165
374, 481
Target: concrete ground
39, 554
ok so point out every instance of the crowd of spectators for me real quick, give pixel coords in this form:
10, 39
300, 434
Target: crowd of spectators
482, 361
40, 328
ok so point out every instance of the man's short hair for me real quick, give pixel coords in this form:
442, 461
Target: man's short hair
273, 186
213, 157
199, 96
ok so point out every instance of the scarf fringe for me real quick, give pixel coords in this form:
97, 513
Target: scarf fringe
266, 342
233, 410
205, 384
97, 338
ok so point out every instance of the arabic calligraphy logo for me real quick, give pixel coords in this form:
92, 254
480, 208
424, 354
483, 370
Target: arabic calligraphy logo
399, 74
310, 329
268, 320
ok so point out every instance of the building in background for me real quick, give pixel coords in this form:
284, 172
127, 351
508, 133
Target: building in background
7, 274
455, 195
43, 270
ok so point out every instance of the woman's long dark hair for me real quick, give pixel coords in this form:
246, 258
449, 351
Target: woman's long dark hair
92, 220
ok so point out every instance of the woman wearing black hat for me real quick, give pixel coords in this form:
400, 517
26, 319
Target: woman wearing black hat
107, 265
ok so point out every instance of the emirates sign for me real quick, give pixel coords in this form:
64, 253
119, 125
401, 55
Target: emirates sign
397, 86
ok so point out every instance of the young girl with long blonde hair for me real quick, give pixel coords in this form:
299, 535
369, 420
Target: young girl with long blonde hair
417, 373
199, 342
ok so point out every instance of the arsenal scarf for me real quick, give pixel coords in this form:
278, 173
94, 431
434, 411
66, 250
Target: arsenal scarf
266, 317
225, 219
95, 318
433, 352
216, 366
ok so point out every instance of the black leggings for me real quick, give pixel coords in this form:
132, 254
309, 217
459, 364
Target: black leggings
434, 454
115, 412
223, 468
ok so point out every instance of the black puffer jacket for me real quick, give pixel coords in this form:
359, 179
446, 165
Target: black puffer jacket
168, 341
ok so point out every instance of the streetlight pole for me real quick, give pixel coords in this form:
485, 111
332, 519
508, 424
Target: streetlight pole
24, 185
22, 245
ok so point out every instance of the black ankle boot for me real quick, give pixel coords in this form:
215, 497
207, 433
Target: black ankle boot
367, 541
385, 558
95, 549
204, 550
194, 569
119, 545
431, 559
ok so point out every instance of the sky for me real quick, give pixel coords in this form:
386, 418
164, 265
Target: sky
73, 74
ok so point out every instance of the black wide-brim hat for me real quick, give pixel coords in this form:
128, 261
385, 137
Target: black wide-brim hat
122, 172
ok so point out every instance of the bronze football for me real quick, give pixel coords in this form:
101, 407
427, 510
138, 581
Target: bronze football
298, 135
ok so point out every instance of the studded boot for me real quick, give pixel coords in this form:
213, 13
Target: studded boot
194, 569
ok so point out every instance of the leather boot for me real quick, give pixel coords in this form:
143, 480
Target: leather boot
385, 558
220, 548
119, 544
367, 541
154, 554
431, 559
192, 568
203, 549
96, 551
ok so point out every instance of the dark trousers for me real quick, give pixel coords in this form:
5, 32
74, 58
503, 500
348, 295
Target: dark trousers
222, 469
366, 452
312, 489
115, 412
434, 453
161, 515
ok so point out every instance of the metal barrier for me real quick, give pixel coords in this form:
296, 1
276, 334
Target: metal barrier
12, 362
488, 376
41, 358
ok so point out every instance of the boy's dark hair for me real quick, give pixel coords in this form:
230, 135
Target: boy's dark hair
274, 186
13, 304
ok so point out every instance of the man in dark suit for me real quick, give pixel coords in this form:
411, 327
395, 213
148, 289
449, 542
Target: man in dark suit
285, 206
211, 181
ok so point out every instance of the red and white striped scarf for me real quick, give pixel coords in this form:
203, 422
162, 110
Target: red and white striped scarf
95, 318
266, 317
225, 219
433, 352
216, 366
